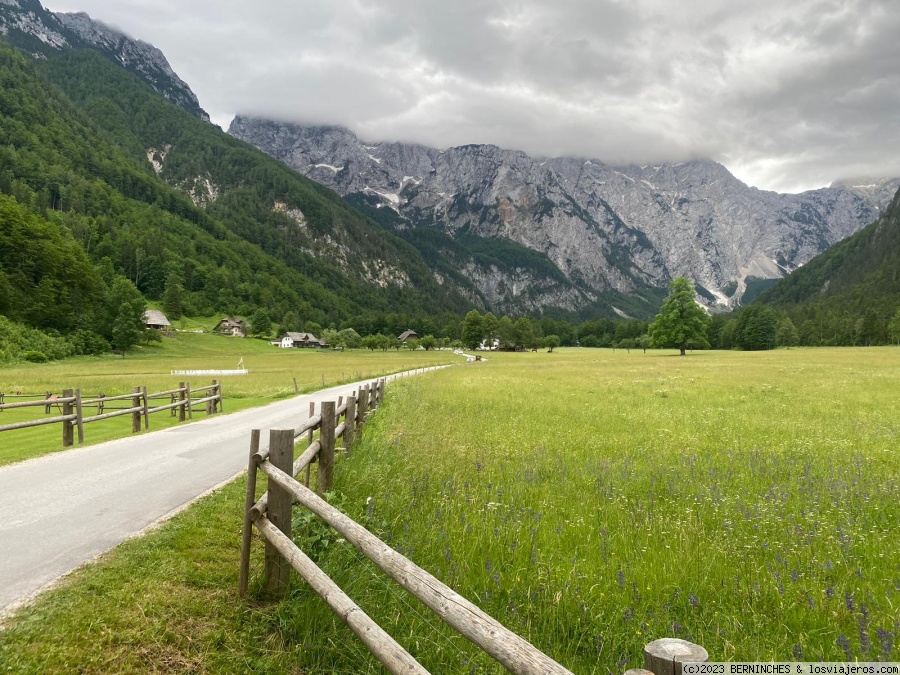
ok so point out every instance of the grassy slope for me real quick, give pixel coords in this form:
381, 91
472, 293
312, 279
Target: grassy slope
272, 372
592, 501
859, 274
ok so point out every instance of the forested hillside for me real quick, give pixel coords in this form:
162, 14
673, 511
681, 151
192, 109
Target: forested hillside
849, 294
228, 227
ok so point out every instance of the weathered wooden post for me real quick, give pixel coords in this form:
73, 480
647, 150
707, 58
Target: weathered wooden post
349, 423
309, 439
373, 396
146, 409
249, 500
79, 416
220, 402
326, 454
363, 405
181, 413
210, 403
187, 395
136, 410
68, 425
278, 510
665, 656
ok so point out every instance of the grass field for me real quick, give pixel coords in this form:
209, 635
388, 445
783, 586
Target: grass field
272, 374
592, 501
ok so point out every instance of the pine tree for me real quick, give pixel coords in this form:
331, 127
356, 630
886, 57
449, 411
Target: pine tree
894, 328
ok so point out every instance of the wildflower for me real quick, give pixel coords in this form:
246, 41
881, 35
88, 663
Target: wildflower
844, 644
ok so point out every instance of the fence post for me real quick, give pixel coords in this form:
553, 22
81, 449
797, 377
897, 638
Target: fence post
136, 414
380, 392
373, 396
249, 500
665, 656
181, 414
278, 510
219, 401
309, 440
363, 405
349, 423
210, 404
79, 416
68, 426
187, 394
146, 411
326, 454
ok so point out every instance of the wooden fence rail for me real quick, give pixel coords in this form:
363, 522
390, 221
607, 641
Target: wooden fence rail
271, 515
71, 405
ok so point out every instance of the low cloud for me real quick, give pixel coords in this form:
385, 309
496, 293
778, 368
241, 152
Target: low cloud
789, 96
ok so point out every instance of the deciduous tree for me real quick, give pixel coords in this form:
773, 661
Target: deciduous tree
681, 320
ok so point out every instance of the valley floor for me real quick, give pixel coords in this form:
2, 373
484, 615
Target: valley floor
590, 500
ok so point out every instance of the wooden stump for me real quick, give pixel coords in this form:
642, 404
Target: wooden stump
665, 656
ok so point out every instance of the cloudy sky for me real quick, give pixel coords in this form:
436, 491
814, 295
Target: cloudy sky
789, 95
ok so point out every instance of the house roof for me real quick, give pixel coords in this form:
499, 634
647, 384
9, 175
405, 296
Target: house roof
153, 317
233, 320
405, 335
303, 337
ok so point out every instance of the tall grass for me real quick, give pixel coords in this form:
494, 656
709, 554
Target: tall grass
592, 501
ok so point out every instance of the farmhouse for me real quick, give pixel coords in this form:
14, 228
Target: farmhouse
231, 325
408, 335
153, 318
300, 340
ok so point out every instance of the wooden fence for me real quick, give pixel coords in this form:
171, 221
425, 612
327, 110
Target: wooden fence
271, 514
71, 406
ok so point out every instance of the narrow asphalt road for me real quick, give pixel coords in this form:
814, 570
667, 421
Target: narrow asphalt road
63, 509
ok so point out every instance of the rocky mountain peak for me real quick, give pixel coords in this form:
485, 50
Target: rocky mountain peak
39, 32
605, 227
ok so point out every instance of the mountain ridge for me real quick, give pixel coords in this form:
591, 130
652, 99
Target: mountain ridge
27, 25
848, 294
606, 227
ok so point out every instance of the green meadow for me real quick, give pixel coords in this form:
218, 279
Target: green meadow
590, 500
272, 372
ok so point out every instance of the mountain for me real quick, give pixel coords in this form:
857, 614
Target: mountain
848, 294
27, 25
152, 193
620, 230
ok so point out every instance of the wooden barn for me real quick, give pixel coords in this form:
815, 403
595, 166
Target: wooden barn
155, 319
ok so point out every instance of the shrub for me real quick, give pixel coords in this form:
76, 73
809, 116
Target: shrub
34, 356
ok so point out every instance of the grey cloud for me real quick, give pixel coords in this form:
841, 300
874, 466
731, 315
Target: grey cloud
787, 95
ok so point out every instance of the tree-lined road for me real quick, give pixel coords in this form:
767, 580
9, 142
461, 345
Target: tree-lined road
63, 509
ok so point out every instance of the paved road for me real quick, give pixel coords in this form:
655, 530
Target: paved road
66, 508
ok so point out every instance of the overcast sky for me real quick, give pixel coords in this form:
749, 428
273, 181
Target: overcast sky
788, 94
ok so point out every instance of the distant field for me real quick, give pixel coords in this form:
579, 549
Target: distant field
271, 376
590, 500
